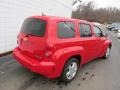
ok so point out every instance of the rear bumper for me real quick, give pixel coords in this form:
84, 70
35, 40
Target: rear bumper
45, 68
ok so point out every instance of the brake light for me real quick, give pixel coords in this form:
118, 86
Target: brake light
49, 48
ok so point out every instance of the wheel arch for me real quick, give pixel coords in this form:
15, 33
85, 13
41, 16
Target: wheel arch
62, 56
105, 46
77, 56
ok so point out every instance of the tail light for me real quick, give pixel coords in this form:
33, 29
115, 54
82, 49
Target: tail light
17, 39
47, 54
49, 50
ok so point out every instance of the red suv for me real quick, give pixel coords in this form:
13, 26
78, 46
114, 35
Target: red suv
57, 47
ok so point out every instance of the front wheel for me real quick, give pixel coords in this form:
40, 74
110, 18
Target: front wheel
70, 70
107, 54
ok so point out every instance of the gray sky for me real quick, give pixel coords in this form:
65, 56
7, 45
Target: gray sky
105, 3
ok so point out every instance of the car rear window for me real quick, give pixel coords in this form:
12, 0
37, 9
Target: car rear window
33, 26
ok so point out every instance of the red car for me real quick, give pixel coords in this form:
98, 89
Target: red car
57, 47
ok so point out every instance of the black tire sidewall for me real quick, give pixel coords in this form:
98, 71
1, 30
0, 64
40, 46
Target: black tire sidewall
63, 75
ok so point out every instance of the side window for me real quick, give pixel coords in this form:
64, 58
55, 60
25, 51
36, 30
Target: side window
97, 31
85, 30
66, 30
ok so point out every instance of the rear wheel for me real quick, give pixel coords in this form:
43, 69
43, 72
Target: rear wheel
70, 70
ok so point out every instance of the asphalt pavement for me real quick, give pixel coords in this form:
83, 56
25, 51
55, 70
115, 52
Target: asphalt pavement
99, 74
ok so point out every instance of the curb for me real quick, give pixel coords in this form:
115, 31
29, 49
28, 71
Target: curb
6, 53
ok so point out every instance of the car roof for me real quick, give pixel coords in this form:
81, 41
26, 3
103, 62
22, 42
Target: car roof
60, 18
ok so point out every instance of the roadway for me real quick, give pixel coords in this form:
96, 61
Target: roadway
97, 75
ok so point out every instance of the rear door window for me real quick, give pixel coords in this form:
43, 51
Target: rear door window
85, 30
97, 31
33, 26
66, 29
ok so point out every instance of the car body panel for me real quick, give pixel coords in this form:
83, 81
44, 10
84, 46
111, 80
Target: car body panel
47, 55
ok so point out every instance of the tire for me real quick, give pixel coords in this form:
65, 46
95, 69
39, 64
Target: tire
69, 72
107, 53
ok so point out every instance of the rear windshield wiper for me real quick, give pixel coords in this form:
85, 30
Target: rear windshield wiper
28, 35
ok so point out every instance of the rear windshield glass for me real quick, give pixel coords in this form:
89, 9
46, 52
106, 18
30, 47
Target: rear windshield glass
35, 27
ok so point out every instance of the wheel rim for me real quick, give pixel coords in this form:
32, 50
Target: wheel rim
108, 52
72, 69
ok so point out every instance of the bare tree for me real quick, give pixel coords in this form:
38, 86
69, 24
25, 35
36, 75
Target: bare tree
102, 15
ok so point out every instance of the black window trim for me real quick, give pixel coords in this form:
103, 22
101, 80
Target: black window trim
90, 30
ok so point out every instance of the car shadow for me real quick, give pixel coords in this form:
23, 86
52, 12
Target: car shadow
84, 74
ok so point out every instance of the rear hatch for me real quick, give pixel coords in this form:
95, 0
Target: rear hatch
31, 40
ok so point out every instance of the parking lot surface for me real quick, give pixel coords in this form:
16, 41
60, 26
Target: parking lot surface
99, 74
